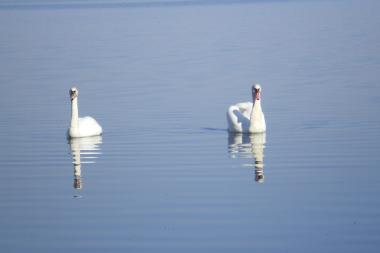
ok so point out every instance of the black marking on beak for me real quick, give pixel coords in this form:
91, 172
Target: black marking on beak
73, 94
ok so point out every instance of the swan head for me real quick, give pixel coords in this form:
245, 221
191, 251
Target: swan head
256, 91
73, 93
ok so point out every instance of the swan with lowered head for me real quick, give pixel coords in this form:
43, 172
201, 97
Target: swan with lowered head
81, 127
247, 117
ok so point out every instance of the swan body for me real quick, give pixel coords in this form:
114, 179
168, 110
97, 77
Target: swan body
81, 127
247, 117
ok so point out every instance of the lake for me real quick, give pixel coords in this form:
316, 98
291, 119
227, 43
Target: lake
166, 176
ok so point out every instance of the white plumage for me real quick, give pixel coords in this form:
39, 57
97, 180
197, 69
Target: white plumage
247, 117
81, 127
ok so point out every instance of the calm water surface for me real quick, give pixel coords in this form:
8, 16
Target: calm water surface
166, 176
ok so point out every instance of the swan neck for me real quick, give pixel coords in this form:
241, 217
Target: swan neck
256, 117
256, 108
74, 113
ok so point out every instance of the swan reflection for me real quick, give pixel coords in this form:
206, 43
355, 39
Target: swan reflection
249, 146
84, 150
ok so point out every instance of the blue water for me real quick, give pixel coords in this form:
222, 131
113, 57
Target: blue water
166, 176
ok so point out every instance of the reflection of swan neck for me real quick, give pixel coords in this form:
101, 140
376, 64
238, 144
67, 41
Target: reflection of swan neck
74, 114
89, 145
249, 146
258, 154
77, 170
77, 167
259, 174
77, 177
258, 145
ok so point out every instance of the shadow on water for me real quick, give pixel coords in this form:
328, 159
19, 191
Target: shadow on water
214, 129
249, 146
84, 150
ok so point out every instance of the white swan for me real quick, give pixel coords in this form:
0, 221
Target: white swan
81, 127
247, 117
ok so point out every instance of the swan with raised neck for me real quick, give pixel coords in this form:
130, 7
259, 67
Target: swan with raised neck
247, 117
81, 127
257, 119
